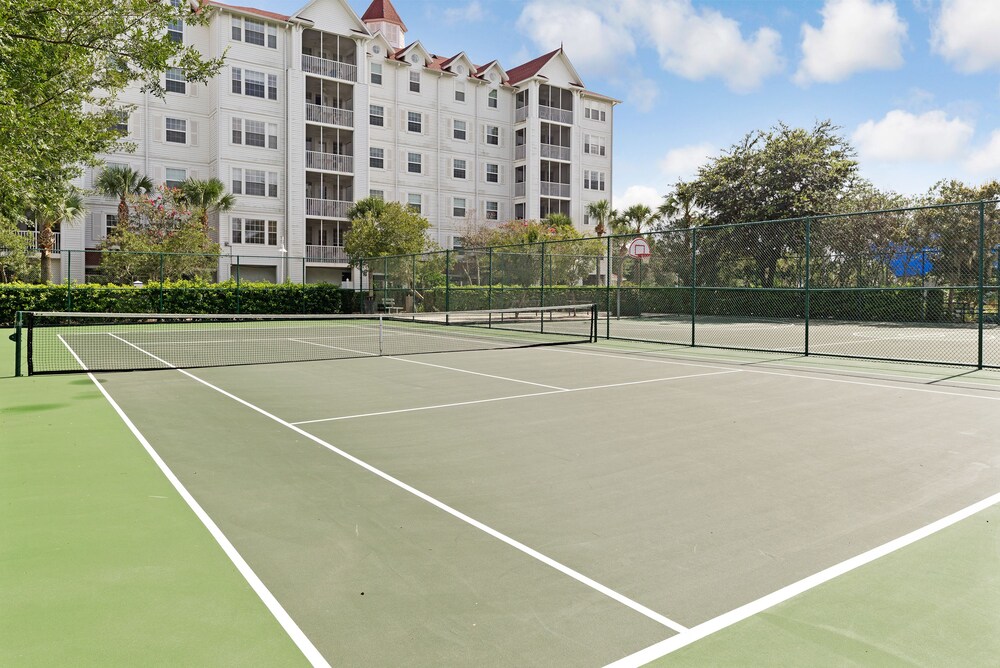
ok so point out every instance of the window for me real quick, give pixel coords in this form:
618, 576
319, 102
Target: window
458, 130
376, 158
493, 135
272, 37
237, 230
256, 182
413, 203
176, 131
176, 83
595, 114
175, 29
237, 81
253, 84
253, 32
110, 222
458, 207
519, 211
122, 124
593, 145
414, 122
593, 180
413, 163
492, 210
237, 181
414, 82
175, 177
492, 173
272, 184
377, 74
255, 133
237, 130
237, 24
491, 100
254, 231
272, 135
458, 168
458, 243
459, 92
377, 194
272, 86
376, 115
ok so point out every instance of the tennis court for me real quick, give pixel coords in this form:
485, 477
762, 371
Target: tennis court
488, 503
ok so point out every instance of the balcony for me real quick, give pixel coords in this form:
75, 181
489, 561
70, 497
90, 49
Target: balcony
519, 190
327, 208
556, 152
520, 114
520, 152
332, 254
553, 189
334, 69
32, 237
555, 114
330, 115
330, 162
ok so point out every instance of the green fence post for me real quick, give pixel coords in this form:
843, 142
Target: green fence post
808, 234
607, 293
385, 280
17, 342
238, 283
541, 279
489, 284
694, 282
161, 283
413, 285
69, 281
447, 283
981, 278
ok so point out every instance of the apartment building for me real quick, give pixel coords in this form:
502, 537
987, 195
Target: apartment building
314, 111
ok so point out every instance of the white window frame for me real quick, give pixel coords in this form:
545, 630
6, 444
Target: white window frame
414, 163
377, 194
256, 178
259, 27
380, 115
177, 171
183, 129
494, 172
255, 79
491, 132
455, 169
493, 99
259, 136
272, 36
458, 210
376, 73
272, 86
415, 202
175, 77
376, 154
464, 130
460, 92
414, 81
492, 210
410, 122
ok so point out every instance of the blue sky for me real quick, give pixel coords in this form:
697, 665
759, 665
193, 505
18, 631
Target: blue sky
914, 84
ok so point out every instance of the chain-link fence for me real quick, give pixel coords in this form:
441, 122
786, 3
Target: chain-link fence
916, 284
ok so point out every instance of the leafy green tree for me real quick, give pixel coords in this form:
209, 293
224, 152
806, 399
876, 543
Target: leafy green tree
603, 214
206, 196
385, 228
15, 263
62, 67
66, 210
120, 181
559, 220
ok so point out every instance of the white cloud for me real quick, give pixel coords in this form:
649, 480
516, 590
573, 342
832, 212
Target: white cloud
642, 94
902, 136
986, 159
469, 13
856, 35
701, 43
683, 162
638, 195
594, 40
965, 33
692, 43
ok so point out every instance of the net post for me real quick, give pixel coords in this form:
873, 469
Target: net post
807, 280
541, 291
694, 281
238, 273
413, 284
69, 281
30, 321
380, 320
593, 322
489, 284
981, 278
161, 283
607, 292
447, 285
17, 342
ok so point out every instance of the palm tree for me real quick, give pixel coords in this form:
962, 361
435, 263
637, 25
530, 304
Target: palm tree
678, 206
559, 220
120, 181
634, 219
602, 212
205, 196
374, 205
66, 209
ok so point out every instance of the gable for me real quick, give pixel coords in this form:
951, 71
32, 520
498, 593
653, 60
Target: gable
560, 72
334, 16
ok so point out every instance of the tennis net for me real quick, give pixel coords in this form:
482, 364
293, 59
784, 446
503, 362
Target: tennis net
62, 342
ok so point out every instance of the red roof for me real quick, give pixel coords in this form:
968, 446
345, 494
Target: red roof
382, 10
252, 10
530, 68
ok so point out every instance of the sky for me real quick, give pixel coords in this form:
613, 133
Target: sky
913, 85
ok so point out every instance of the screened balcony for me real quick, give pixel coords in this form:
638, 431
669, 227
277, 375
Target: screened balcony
555, 104
329, 102
329, 55
329, 149
328, 195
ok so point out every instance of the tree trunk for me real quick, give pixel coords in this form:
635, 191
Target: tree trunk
122, 213
45, 242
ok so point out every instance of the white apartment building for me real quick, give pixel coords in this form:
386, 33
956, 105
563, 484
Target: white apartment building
314, 111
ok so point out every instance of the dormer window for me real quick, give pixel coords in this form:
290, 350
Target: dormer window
376, 49
460, 69
414, 59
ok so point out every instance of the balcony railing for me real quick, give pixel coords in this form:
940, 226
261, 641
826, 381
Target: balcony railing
553, 189
334, 69
519, 190
555, 152
520, 114
328, 208
330, 115
331, 162
326, 254
520, 152
555, 114
32, 237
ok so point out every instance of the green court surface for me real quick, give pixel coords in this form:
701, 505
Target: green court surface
577, 505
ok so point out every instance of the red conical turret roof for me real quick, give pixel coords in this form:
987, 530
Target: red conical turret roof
382, 10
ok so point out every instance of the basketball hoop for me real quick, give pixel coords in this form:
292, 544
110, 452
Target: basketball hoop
639, 249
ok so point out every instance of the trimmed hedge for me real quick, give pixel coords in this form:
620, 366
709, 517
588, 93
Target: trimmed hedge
175, 297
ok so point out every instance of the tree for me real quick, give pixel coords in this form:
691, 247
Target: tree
775, 174
602, 213
62, 67
67, 209
120, 181
559, 220
634, 220
205, 196
386, 228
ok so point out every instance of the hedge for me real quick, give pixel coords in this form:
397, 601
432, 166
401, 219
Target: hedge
175, 297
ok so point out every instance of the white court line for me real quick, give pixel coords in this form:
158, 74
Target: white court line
326, 345
824, 379
565, 570
516, 396
727, 619
276, 609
